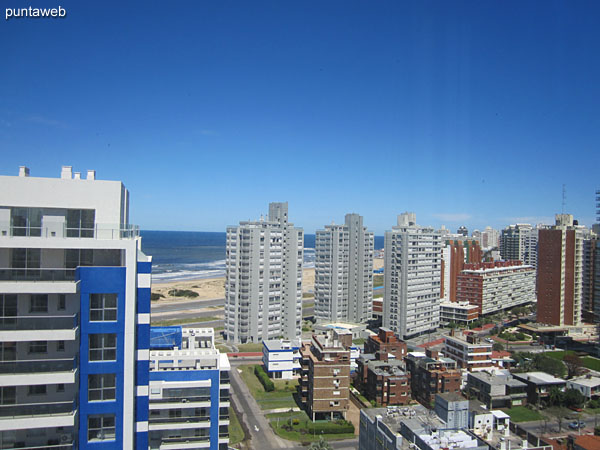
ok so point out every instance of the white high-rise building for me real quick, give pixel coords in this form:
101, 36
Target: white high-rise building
263, 287
344, 272
412, 277
519, 243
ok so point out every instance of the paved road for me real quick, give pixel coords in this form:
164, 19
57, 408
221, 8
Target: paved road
253, 417
187, 304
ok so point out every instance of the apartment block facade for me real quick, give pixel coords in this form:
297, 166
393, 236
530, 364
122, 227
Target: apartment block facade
344, 272
263, 287
188, 390
412, 278
494, 286
74, 326
560, 273
469, 351
325, 377
519, 242
431, 374
454, 256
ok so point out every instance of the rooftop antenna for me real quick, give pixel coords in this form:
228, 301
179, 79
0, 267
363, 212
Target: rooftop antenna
598, 206
564, 198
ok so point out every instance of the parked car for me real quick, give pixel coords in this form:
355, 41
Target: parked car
576, 425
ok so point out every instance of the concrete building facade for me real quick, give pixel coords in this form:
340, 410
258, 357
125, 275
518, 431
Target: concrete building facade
188, 390
519, 243
263, 287
74, 327
494, 286
412, 278
344, 272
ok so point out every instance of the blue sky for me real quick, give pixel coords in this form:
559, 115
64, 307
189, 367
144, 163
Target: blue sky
470, 113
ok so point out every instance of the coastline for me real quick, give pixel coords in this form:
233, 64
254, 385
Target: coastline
214, 288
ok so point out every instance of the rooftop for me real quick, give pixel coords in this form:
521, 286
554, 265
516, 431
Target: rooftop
587, 381
274, 345
539, 378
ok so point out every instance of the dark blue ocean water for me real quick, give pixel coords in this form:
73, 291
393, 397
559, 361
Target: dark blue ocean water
181, 255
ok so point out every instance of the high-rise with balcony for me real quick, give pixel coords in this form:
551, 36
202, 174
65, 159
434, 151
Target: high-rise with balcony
344, 272
412, 277
189, 390
263, 287
75, 313
520, 243
560, 273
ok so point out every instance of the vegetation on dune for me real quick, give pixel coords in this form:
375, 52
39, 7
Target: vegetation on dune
183, 293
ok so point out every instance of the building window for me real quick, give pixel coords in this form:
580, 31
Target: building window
8, 395
102, 386
39, 389
60, 388
38, 347
62, 302
38, 303
101, 427
103, 307
103, 347
60, 346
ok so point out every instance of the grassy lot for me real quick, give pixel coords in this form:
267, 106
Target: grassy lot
250, 347
301, 431
359, 341
588, 361
307, 295
281, 397
523, 414
308, 305
223, 348
236, 432
377, 280
379, 294
167, 323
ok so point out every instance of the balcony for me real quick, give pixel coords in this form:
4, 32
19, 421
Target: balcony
40, 371
63, 446
183, 442
38, 328
37, 415
47, 281
98, 231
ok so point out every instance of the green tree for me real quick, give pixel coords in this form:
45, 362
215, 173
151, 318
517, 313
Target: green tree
573, 398
556, 397
498, 347
322, 444
549, 365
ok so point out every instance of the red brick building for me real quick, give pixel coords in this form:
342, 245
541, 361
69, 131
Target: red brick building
456, 254
559, 278
386, 342
431, 374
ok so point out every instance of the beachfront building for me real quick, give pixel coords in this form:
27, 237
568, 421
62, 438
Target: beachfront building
263, 286
281, 358
412, 278
344, 272
468, 350
75, 300
188, 390
496, 286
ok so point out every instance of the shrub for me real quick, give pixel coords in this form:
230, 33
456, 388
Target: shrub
264, 378
156, 296
296, 421
337, 427
183, 293
593, 404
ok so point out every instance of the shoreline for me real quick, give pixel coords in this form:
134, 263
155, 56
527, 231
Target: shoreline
214, 287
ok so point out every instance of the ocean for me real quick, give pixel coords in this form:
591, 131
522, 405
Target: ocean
189, 255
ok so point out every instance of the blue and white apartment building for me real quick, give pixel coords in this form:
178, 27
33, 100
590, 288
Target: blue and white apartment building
74, 316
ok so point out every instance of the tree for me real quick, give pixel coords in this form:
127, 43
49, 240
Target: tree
574, 365
558, 413
498, 347
573, 398
549, 365
556, 397
321, 445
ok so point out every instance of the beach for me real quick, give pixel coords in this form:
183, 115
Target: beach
214, 288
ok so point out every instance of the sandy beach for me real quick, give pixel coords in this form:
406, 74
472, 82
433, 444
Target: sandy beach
211, 288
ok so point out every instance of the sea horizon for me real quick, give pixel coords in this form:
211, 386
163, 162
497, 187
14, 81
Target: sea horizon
191, 255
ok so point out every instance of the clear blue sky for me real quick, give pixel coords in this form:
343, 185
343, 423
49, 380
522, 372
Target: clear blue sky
470, 113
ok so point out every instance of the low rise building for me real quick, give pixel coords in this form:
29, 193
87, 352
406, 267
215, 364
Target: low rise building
539, 385
395, 428
385, 341
325, 376
494, 286
496, 389
387, 383
453, 409
589, 386
431, 374
357, 330
281, 358
468, 350
461, 313
188, 390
